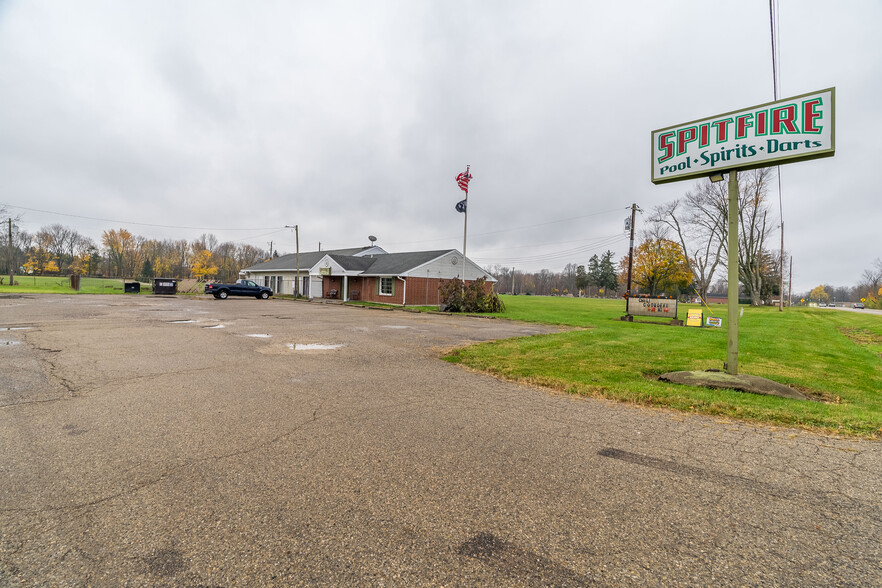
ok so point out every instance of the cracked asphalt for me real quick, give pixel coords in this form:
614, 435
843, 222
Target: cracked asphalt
152, 441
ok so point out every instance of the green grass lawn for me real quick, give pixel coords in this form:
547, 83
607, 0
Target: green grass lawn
61, 285
834, 357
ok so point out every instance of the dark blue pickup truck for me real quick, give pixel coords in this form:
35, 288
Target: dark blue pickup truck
240, 288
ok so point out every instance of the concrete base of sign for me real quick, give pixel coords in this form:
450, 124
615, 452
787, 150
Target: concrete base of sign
740, 382
631, 319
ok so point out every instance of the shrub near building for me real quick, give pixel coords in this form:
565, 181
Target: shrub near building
477, 296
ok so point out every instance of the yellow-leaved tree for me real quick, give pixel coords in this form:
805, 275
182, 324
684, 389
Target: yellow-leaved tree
819, 294
201, 265
659, 267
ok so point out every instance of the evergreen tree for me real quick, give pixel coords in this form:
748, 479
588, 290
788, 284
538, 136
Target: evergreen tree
594, 271
608, 280
147, 270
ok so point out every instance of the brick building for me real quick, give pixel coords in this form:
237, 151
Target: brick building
367, 273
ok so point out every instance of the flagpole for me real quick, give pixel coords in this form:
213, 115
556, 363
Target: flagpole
465, 226
463, 181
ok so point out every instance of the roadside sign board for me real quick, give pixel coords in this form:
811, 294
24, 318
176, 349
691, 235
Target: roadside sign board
786, 131
663, 307
714, 321
693, 317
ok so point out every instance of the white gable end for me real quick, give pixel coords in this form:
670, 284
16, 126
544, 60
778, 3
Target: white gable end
447, 267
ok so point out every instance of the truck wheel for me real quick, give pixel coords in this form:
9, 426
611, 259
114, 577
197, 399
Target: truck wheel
263, 295
223, 294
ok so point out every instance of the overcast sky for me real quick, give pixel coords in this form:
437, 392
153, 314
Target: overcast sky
352, 119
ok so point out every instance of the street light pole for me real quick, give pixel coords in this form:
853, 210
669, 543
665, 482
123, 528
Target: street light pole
297, 244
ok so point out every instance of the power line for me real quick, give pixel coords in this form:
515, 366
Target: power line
553, 256
572, 218
107, 220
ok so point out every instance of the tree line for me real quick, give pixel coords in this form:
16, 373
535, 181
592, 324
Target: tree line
60, 250
598, 278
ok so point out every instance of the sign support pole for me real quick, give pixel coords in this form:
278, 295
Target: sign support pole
732, 348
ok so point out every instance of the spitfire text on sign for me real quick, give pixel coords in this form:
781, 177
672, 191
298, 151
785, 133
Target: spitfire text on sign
789, 130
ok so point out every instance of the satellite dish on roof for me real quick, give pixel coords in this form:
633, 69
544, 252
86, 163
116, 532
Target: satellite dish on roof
371, 238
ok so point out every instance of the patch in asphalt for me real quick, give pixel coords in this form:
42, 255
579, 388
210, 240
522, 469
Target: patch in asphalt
73, 430
165, 562
693, 472
520, 563
313, 346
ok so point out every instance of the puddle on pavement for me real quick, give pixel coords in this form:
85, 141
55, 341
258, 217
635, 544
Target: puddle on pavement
215, 327
15, 328
260, 335
180, 322
313, 346
4, 342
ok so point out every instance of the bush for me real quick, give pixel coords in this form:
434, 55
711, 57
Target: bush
472, 298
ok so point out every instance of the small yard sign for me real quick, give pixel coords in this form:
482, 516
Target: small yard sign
693, 317
663, 307
714, 321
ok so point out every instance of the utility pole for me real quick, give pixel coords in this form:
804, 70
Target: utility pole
781, 287
271, 249
11, 271
297, 244
630, 254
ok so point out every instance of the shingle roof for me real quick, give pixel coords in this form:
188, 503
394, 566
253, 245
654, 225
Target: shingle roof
381, 264
348, 262
393, 264
307, 260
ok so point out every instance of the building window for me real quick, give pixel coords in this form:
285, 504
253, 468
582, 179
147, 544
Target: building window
387, 286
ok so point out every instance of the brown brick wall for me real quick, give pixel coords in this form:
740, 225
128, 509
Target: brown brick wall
420, 291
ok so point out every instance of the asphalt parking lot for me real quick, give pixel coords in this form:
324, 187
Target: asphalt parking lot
197, 442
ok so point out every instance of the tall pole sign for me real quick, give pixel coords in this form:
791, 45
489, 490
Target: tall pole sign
785, 131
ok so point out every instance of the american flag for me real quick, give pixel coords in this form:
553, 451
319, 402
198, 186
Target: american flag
463, 180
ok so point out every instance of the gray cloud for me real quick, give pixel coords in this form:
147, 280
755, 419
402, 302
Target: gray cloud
352, 119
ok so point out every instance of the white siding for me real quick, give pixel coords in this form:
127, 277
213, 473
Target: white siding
315, 286
447, 267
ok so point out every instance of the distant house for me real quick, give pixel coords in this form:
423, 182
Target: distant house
366, 273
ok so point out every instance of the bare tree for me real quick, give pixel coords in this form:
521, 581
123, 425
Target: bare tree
697, 225
702, 220
754, 265
872, 277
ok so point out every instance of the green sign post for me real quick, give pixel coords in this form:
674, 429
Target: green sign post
785, 131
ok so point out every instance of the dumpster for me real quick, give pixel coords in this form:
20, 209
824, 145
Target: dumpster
132, 287
165, 286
